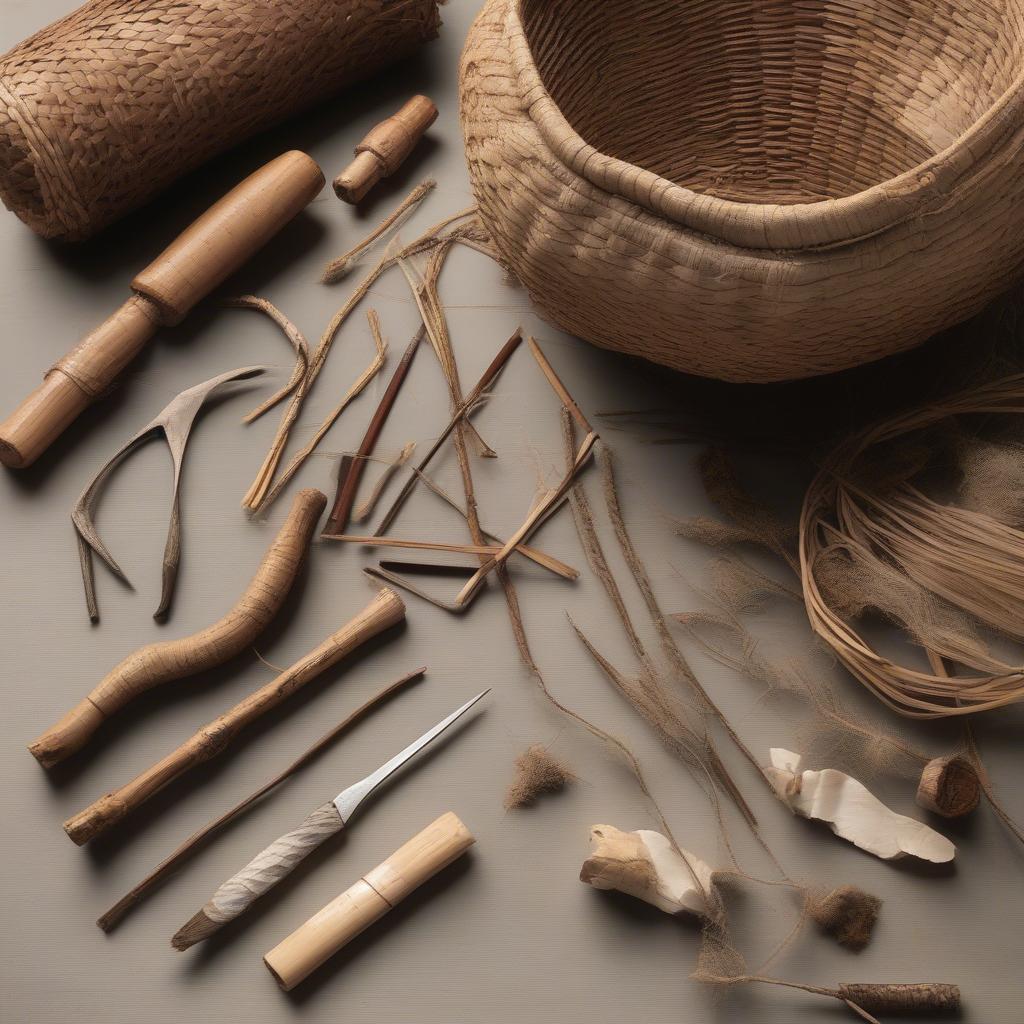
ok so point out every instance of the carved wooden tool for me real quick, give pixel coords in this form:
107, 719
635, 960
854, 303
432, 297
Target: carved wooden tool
385, 149
279, 859
378, 891
170, 660
198, 260
385, 610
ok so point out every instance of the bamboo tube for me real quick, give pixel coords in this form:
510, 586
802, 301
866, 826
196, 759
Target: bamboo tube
385, 149
198, 260
385, 610
161, 663
438, 845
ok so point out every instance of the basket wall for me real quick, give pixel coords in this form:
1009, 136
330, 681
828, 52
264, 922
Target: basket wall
723, 288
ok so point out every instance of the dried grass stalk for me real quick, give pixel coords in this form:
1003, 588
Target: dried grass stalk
294, 337
265, 490
338, 268
366, 507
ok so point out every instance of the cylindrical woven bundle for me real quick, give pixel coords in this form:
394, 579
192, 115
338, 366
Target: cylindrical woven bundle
752, 190
103, 109
919, 998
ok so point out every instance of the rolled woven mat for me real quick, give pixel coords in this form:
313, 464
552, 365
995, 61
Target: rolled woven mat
103, 109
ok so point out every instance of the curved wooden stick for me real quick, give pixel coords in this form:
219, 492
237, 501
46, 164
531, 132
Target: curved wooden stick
170, 660
385, 610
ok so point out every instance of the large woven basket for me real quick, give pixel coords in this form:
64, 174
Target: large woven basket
753, 190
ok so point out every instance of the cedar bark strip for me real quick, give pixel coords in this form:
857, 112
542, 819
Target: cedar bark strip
384, 611
161, 663
352, 467
110, 920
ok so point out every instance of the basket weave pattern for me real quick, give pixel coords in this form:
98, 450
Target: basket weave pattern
105, 108
751, 189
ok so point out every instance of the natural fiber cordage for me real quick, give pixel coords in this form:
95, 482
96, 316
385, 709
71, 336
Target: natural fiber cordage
103, 109
746, 190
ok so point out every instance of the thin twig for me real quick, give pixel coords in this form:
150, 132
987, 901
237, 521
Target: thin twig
464, 407
338, 268
262, 495
352, 467
117, 912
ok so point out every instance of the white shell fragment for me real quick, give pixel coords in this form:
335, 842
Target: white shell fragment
854, 813
645, 865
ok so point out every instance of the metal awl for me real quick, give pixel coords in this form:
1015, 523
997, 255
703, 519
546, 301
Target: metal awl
349, 799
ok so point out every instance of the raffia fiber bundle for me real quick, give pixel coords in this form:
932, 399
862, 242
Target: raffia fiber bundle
103, 109
946, 573
751, 190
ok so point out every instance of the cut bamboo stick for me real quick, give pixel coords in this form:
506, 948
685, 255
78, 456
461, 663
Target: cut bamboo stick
368, 900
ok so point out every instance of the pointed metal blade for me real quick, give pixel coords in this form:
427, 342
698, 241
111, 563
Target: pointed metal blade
349, 799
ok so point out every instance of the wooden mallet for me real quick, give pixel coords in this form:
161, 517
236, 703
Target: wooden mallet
199, 259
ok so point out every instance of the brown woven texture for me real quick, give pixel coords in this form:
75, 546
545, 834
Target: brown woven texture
103, 109
753, 190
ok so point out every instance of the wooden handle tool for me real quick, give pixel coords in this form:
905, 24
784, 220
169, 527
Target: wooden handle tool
198, 260
280, 859
438, 845
385, 149
385, 610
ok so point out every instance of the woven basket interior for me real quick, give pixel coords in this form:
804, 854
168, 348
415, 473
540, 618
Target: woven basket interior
775, 101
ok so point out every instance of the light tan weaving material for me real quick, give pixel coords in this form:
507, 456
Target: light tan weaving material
751, 189
102, 110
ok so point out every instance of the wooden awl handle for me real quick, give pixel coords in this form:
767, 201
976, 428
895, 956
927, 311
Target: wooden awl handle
198, 260
385, 148
327, 931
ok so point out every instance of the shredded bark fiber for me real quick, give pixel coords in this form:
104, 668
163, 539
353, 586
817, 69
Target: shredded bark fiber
538, 772
847, 913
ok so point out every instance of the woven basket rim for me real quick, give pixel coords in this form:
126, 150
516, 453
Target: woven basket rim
774, 226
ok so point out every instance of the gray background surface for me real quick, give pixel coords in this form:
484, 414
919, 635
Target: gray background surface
510, 934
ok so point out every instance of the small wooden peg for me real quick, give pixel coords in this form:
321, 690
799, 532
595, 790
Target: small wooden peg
378, 891
385, 148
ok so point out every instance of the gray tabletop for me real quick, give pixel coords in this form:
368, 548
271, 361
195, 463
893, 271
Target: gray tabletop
510, 934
